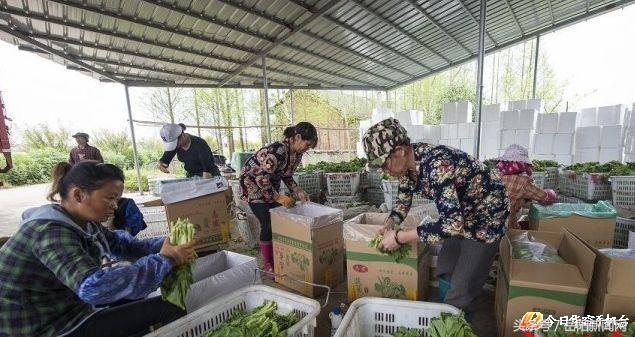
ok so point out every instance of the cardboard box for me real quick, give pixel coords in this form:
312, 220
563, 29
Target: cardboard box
567, 122
556, 289
612, 290
308, 246
597, 231
370, 273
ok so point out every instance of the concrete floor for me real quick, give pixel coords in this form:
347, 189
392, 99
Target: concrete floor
16, 200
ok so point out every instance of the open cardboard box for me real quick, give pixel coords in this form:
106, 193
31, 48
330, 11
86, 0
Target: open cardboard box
371, 273
550, 288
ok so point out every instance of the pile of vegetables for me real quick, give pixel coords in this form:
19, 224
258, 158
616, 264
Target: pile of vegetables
260, 322
447, 325
542, 165
398, 254
613, 168
530, 249
177, 283
405, 332
354, 165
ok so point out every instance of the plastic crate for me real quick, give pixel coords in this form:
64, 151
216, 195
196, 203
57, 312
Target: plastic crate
343, 184
623, 190
563, 199
381, 317
309, 181
342, 202
374, 196
209, 317
547, 179
622, 227
157, 221
587, 186
391, 191
566, 182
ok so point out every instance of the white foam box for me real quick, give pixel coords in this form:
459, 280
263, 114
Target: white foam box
445, 142
416, 117
490, 128
467, 145
445, 131
510, 119
543, 157
567, 122
629, 143
525, 138
517, 105
535, 103
492, 112
629, 158
527, 119
453, 131
607, 155
403, 117
562, 143
588, 117
587, 137
611, 115
449, 113
465, 130
463, 112
564, 159
586, 155
631, 119
508, 137
360, 150
455, 143
543, 143
548, 123
435, 132
612, 136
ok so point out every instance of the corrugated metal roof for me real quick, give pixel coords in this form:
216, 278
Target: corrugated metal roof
334, 44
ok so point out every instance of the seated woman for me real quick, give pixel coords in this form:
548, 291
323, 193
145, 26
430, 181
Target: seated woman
62, 264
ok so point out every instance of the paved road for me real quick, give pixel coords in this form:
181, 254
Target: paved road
15, 200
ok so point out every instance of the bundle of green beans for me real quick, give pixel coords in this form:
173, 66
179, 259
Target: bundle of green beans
176, 285
261, 322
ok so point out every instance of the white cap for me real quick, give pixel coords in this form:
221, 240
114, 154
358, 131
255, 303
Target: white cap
170, 134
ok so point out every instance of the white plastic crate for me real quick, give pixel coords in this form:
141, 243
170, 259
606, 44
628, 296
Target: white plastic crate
622, 227
374, 196
623, 190
157, 221
209, 317
563, 199
391, 191
311, 183
586, 186
381, 317
343, 184
547, 179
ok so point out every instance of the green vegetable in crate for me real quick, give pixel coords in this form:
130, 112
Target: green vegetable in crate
177, 283
613, 168
405, 332
449, 325
398, 254
354, 165
542, 165
260, 322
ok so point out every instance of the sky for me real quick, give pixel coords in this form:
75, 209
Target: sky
596, 58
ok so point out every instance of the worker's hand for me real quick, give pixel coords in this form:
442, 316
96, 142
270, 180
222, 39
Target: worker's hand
389, 242
163, 168
285, 200
389, 224
178, 254
301, 194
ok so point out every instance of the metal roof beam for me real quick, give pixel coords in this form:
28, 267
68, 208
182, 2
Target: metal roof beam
314, 15
469, 13
366, 37
553, 19
257, 85
40, 45
260, 14
399, 29
511, 11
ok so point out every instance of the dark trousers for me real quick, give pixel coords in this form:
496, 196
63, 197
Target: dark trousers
129, 319
261, 211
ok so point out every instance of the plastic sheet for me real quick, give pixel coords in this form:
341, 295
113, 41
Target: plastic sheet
530, 249
619, 253
311, 215
364, 226
602, 209
190, 188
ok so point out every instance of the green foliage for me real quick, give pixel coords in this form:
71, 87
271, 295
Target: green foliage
398, 254
131, 183
354, 165
613, 168
542, 165
263, 321
449, 325
122, 161
34, 167
41, 136
112, 141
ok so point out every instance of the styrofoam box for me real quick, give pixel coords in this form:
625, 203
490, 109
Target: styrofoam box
588, 117
491, 113
489, 129
567, 122
463, 112
611, 115
543, 143
416, 117
548, 123
586, 155
517, 105
508, 137
449, 113
435, 132
403, 117
607, 155
455, 143
629, 144
464, 130
510, 119
612, 136
543, 157
564, 159
525, 138
444, 142
453, 131
360, 150
445, 131
527, 119
632, 116
629, 158
562, 143
587, 137
535, 104
467, 145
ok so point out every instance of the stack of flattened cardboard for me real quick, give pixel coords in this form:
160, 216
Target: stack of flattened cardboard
556, 289
371, 273
308, 246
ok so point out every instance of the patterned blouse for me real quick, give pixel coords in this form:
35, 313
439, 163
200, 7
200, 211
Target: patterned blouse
470, 198
260, 177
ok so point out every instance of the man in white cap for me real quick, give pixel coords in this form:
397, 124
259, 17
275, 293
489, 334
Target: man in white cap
83, 151
193, 151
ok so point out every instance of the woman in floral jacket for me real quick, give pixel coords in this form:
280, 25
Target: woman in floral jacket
470, 198
261, 176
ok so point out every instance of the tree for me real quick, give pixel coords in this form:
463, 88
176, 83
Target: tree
169, 105
42, 136
113, 141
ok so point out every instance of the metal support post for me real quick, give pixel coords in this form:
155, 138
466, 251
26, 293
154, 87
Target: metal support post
292, 112
135, 157
533, 92
266, 85
479, 78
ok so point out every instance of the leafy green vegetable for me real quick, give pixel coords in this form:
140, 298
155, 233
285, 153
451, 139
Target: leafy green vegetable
398, 254
405, 332
613, 168
177, 283
260, 322
449, 325
354, 165
535, 251
542, 165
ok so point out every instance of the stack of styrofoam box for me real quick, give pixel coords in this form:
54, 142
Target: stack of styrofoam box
490, 130
380, 113
554, 137
518, 125
456, 128
629, 145
364, 125
600, 134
